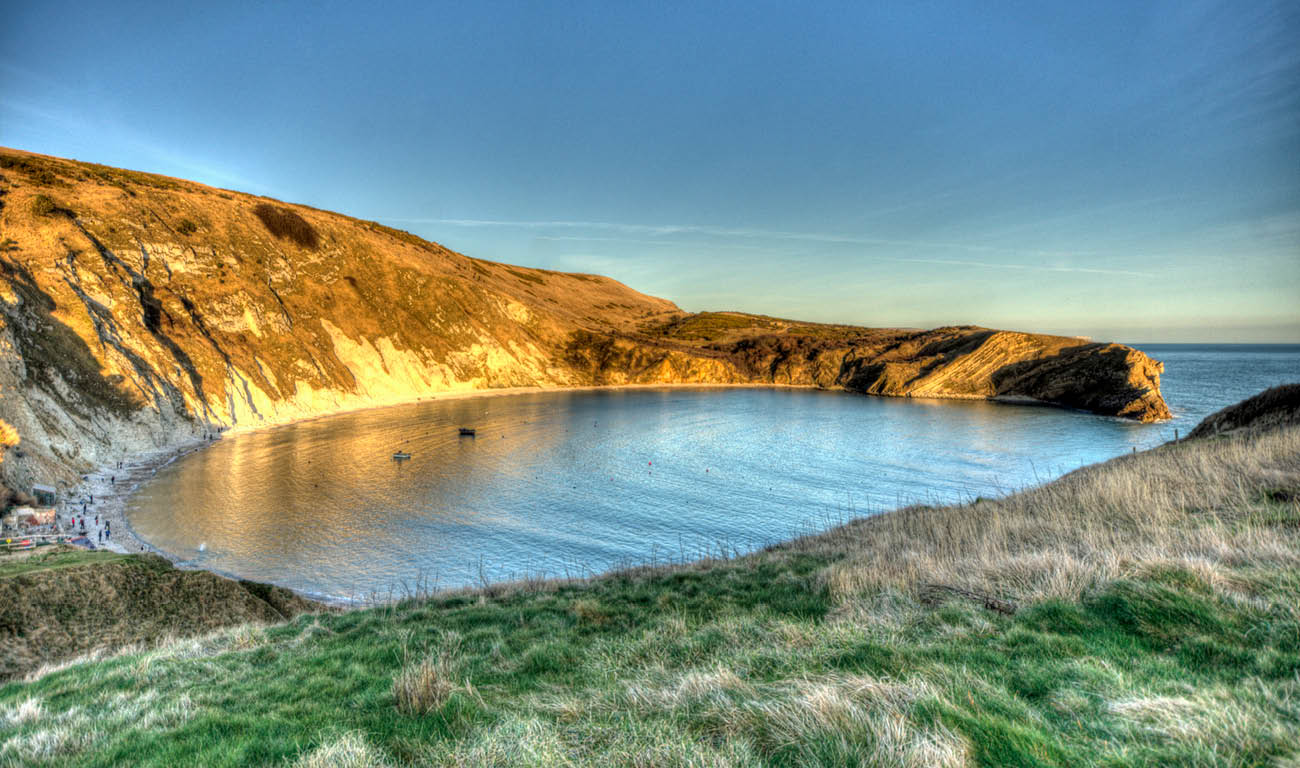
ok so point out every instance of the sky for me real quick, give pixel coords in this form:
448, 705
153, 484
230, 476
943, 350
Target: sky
1126, 171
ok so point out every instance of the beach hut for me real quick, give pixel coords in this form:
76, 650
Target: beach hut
45, 495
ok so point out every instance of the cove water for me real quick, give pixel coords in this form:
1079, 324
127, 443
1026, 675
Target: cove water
570, 483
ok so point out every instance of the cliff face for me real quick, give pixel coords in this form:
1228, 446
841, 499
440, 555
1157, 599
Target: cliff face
138, 311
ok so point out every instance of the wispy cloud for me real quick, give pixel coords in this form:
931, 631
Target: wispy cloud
1031, 267
645, 241
666, 231
669, 229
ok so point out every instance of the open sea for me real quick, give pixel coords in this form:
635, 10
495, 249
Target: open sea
571, 483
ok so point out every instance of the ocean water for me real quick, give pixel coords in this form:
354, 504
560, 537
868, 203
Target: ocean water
573, 483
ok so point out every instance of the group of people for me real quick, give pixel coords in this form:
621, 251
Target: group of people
83, 522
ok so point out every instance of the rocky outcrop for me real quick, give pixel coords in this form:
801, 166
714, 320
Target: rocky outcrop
139, 312
1270, 409
963, 362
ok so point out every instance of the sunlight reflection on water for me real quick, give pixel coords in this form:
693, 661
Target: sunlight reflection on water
571, 482
560, 482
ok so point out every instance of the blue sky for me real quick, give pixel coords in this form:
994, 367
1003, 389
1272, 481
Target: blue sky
1124, 170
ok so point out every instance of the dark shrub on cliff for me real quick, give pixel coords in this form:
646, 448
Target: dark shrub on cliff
287, 225
42, 205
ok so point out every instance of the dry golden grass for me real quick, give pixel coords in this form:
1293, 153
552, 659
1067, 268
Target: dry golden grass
351, 750
1190, 505
425, 686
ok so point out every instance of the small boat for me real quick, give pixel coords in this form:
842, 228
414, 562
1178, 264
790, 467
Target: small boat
467, 431
400, 455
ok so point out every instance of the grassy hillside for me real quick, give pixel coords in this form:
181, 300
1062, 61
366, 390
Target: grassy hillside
66, 601
1150, 615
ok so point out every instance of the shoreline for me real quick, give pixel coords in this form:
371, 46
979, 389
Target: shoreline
111, 487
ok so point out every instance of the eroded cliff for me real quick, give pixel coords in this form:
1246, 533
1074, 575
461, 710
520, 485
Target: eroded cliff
140, 311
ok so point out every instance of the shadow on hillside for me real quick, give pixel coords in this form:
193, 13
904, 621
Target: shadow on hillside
49, 348
1090, 376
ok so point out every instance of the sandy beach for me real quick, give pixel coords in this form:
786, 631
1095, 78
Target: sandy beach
104, 493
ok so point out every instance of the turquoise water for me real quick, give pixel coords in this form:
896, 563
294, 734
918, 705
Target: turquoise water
572, 483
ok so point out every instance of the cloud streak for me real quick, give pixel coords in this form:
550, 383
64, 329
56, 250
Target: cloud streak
1031, 267
672, 230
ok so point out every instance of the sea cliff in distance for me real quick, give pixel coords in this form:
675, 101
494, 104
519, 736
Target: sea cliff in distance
141, 312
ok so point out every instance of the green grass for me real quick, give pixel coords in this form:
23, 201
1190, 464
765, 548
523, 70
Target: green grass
14, 565
42, 205
767, 659
735, 661
710, 326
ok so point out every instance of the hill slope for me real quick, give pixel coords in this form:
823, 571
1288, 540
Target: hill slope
139, 311
1150, 616
1271, 408
62, 603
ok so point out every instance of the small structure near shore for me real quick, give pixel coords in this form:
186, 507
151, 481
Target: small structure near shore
29, 516
45, 495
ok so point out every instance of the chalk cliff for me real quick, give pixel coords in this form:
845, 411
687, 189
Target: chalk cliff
138, 311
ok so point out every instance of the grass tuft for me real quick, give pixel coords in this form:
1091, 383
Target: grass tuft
43, 205
351, 750
428, 685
